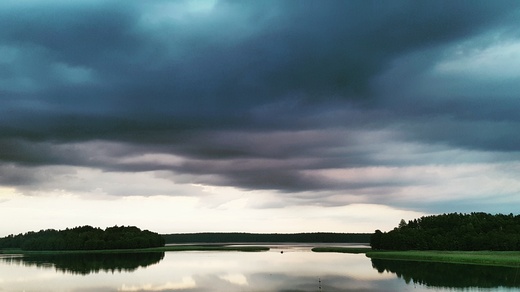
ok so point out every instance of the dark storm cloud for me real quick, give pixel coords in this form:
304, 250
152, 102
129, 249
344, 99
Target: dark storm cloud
230, 87
311, 51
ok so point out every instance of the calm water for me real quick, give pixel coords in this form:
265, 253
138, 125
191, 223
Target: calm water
297, 269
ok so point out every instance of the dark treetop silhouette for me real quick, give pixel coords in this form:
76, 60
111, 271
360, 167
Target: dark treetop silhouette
84, 238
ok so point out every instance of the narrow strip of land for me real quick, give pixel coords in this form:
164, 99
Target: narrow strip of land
245, 248
342, 249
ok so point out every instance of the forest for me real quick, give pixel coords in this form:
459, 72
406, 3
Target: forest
318, 237
454, 231
84, 238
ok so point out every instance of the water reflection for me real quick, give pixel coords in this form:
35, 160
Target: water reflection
450, 275
86, 263
297, 269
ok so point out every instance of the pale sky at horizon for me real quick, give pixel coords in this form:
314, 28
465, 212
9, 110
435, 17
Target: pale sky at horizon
256, 116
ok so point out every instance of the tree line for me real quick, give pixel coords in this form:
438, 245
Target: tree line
319, 237
84, 238
454, 231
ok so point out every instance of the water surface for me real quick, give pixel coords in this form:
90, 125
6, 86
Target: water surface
296, 269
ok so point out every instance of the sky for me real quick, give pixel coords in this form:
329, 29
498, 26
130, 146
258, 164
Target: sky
256, 116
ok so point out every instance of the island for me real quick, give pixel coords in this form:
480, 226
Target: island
83, 238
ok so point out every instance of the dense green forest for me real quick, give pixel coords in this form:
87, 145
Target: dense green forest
84, 238
454, 231
263, 237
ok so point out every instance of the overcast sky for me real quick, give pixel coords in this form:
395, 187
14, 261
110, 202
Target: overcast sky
256, 116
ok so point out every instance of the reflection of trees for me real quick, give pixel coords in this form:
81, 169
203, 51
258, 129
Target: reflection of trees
86, 263
450, 275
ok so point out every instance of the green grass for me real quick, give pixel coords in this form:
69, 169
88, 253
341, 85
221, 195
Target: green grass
248, 248
493, 258
342, 249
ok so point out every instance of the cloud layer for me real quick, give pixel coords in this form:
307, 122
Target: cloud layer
413, 105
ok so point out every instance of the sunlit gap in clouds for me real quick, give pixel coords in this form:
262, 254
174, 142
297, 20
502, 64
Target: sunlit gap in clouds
229, 210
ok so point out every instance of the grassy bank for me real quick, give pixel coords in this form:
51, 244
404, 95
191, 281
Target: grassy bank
136, 250
342, 249
494, 258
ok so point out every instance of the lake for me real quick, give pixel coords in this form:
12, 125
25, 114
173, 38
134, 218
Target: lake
296, 269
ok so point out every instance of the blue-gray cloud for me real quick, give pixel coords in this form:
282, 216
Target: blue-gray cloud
235, 86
